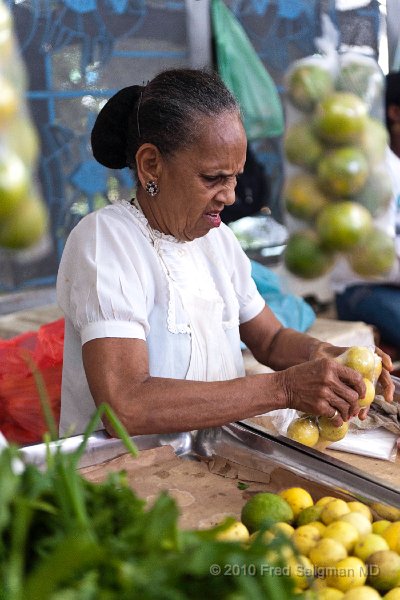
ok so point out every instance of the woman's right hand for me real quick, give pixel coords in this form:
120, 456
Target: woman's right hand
323, 386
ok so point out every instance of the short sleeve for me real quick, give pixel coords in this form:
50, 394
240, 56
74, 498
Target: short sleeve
101, 281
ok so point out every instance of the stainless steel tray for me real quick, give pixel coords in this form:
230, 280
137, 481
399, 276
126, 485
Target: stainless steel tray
241, 444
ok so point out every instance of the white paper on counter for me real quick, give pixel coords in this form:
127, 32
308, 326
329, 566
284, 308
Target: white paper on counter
375, 443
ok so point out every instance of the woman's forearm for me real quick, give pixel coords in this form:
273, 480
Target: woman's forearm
289, 348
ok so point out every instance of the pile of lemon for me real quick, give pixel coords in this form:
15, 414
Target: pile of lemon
309, 430
334, 548
23, 215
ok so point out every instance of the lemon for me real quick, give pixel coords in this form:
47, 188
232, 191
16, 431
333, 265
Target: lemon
329, 431
344, 533
282, 528
329, 593
334, 510
301, 571
303, 430
264, 508
393, 594
363, 592
320, 526
236, 532
297, 498
326, 553
305, 537
356, 506
370, 543
350, 572
380, 526
361, 359
392, 536
384, 570
360, 522
369, 396
324, 500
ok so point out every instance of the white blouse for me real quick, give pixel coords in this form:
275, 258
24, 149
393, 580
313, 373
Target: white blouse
120, 278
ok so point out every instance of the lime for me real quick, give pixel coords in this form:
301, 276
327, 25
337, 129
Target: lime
307, 84
343, 225
329, 593
309, 514
356, 506
345, 533
341, 118
303, 430
235, 532
305, 257
14, 183
25, 226
305, 537
380, 526
302, 196
374, 140
375, 255
369, 394
361, 359
393, 594
384, 570
360, 522
264, 508
301, 145
298, 498
326, 553
392, 536
333, 510
362, 592
343, 172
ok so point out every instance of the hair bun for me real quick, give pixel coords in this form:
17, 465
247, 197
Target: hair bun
110, 131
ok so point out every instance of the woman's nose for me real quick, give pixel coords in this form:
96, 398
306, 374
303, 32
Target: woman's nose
227, 195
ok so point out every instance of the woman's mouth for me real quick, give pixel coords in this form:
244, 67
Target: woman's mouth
213, 218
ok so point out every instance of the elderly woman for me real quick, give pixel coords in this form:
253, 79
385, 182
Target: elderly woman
157, 293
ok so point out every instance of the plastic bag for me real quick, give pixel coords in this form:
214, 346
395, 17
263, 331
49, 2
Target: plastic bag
245, 75
337, 181
21, 416
291, 310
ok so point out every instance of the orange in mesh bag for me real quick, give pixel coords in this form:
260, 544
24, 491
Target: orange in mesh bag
25, 361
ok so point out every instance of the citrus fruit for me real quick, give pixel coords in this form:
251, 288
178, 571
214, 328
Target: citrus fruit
264, 508
345, 533
363, 592
25, 226
305, 257
14, 183
301, 146
333, 510
235, 532
305, 537
343, 172
330, 432
384, 570
375, 255
377, 368
359, 358
319, 525
361, 75
341, 118
343, 225
392, 536
393, 594
302, 196
309, 514
326, 553
374, 140
21, 137
303, 430
360, 522
380, 526
356, 506
307, 84
369, 393
348, 573
282, 528
324, 500
301, 571
329, 593
369, 544
377, 192
384, 511
8, 101
297, 498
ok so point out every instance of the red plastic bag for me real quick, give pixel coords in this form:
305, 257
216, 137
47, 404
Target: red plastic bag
21, 416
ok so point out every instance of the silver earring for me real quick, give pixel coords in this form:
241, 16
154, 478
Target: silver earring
152, 188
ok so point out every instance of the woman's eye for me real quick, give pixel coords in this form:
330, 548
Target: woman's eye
211, 178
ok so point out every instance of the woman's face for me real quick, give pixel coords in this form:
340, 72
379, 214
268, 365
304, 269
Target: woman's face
196, 183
